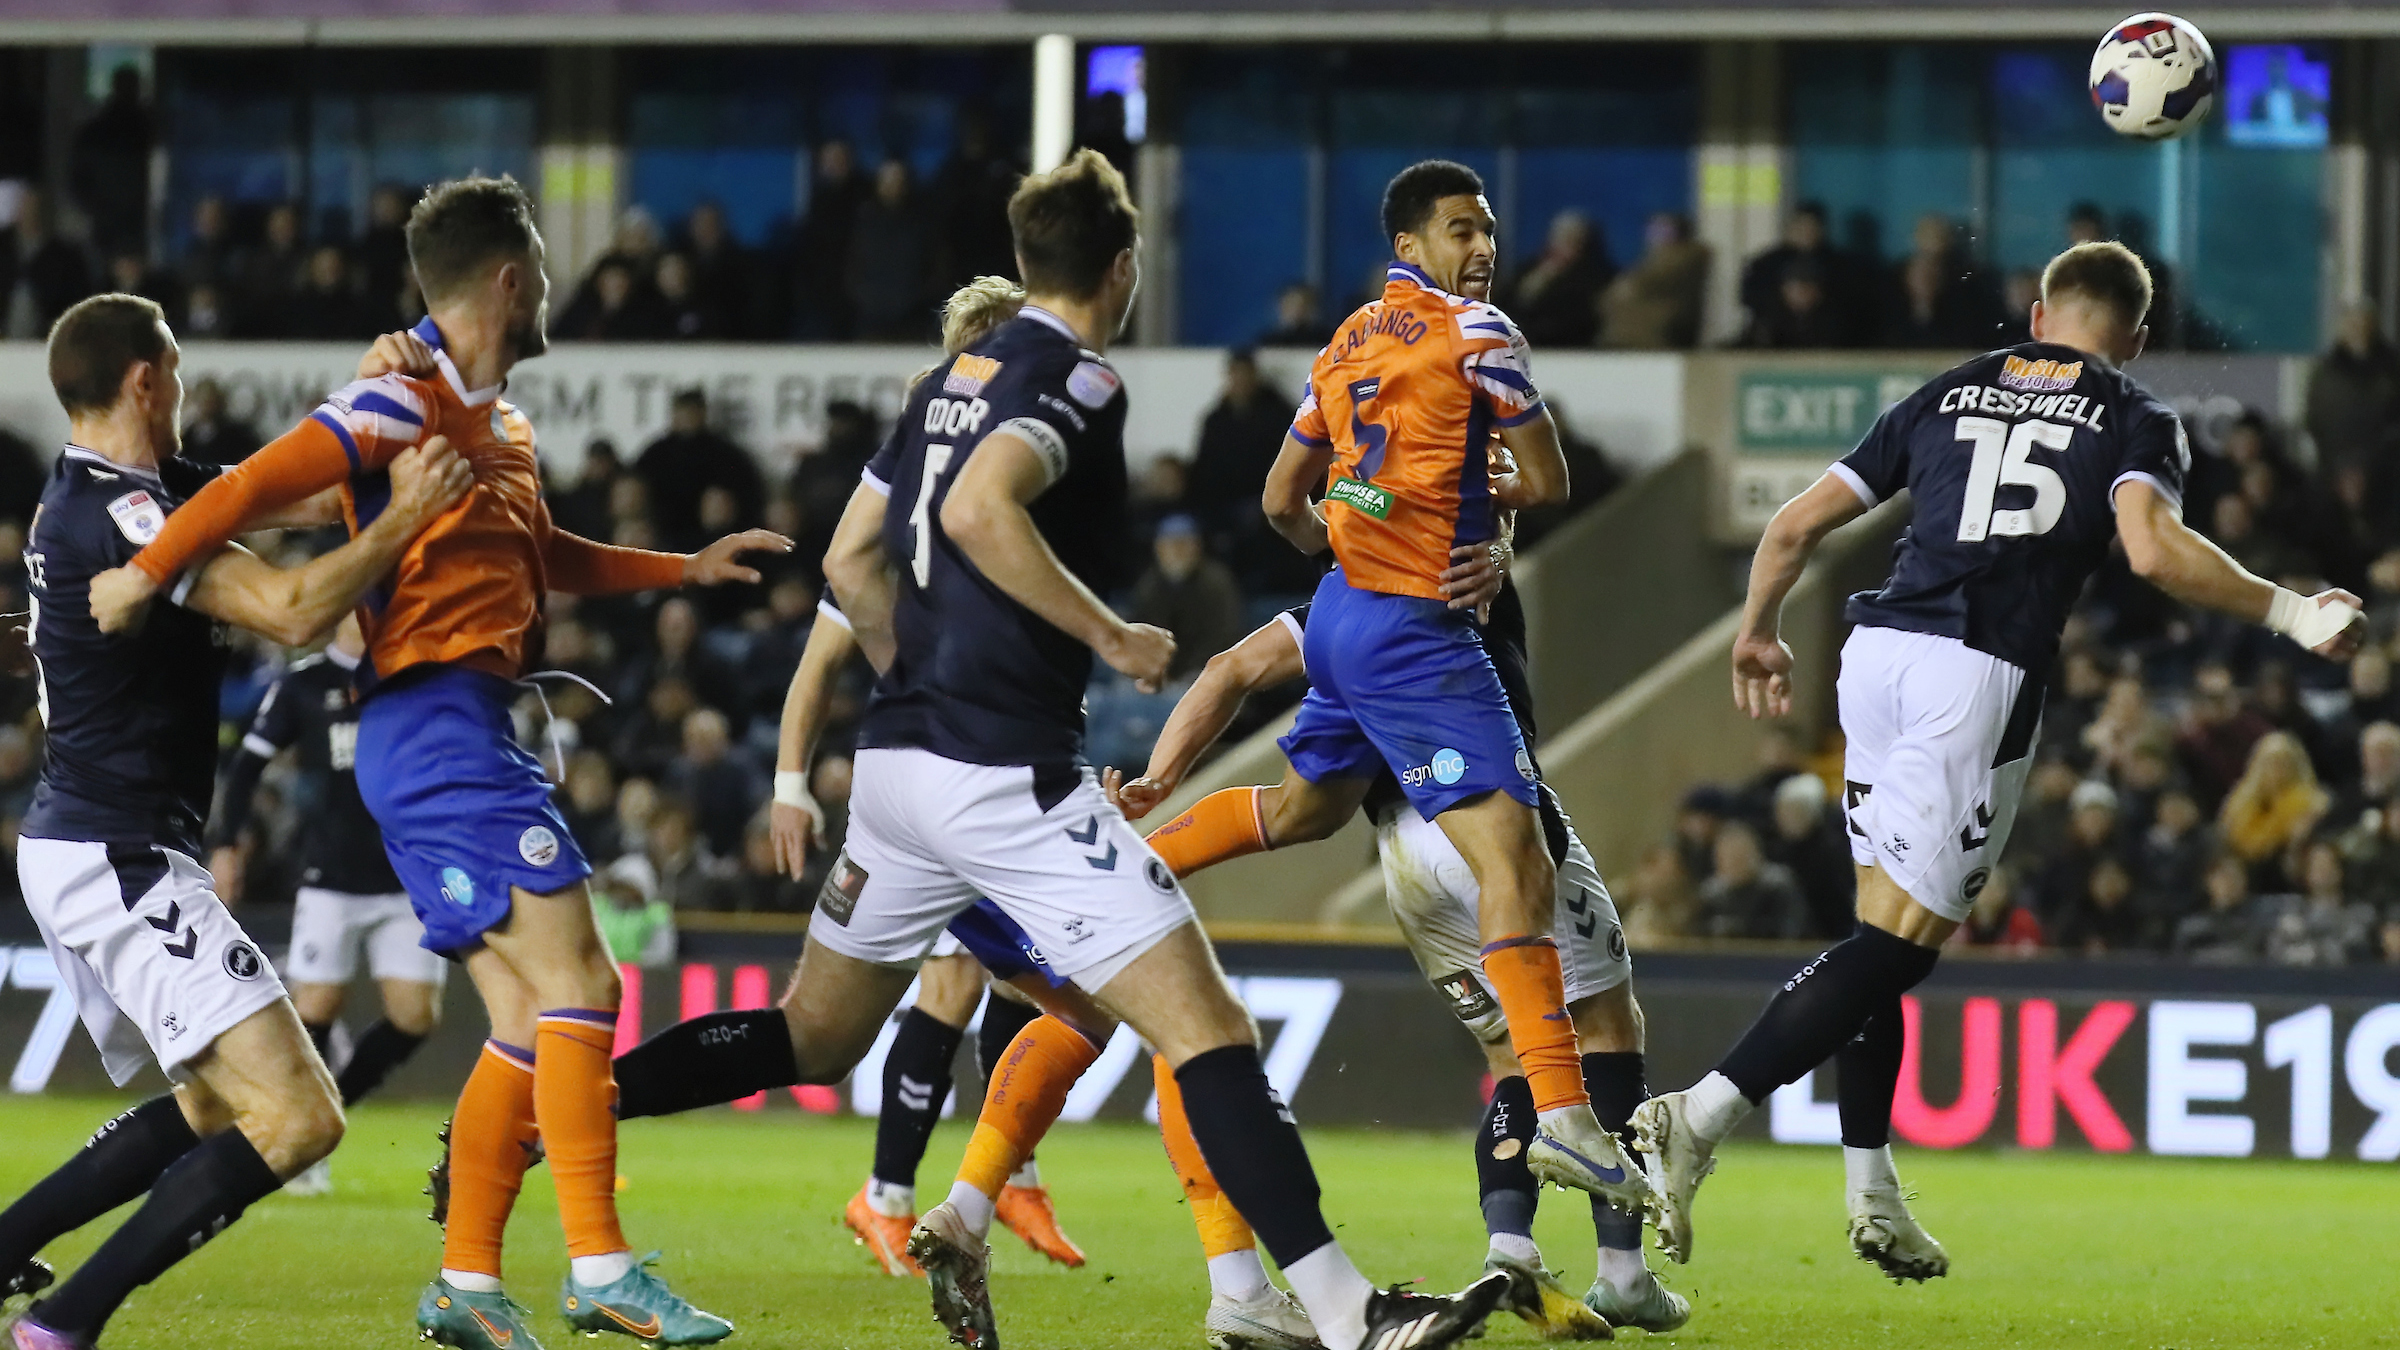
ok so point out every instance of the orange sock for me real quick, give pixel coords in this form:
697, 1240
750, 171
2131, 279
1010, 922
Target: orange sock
491, 1141
1222, 1228
1533, 996
1224, 824
1028, 1091
575, 1101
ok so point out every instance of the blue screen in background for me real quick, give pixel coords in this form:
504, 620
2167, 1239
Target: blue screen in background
2277, 95
1118, 70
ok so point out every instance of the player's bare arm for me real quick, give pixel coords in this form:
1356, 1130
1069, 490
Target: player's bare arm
1297, 470
985, 516
2179, 560
296, 606
861, 576
1266, 658
1762, 664
1540, 475
795, 819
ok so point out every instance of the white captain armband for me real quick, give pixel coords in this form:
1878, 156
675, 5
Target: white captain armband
1046, 443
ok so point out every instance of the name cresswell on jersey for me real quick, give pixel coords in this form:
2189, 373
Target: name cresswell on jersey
1969, 398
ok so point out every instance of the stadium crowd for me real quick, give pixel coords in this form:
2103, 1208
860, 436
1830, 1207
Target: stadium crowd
2201, 788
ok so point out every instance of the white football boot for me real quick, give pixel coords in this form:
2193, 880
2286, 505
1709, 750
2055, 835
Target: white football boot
1886, 1235
1269, 1320
1677, 1160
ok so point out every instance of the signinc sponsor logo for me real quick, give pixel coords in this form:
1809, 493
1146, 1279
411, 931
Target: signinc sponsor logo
2040, 376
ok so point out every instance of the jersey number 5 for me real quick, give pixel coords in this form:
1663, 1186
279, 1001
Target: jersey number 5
937, 460
2003, 458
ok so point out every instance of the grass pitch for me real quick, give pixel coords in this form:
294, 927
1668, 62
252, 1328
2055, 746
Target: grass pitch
2069, 1251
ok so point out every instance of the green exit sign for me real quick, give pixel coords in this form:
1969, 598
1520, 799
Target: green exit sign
1806, 412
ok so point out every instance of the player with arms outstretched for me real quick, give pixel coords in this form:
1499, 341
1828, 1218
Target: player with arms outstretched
2024, 465
466, 812
109, 853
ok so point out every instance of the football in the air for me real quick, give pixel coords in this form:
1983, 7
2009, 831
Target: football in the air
2153, 77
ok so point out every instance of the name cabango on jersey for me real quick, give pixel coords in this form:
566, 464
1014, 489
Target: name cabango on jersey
2034, 389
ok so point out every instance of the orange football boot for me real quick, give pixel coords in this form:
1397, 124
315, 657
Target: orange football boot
884, 1235
1027, 1212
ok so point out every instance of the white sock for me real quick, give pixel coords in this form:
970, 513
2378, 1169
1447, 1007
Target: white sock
1028, 1176
1516, 1247
1870, 1169
471, 1282
1239, 1276
1334, 1293
891, 1199
607, 1268
1625, 1271
1716, 1106
973, 1206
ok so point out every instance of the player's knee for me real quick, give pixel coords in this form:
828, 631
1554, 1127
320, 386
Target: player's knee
414, 1016
301, 1130
1301, 817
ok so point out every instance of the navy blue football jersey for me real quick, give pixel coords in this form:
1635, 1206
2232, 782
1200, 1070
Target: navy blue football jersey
2013, 460
314, 709
131, 751
976, 676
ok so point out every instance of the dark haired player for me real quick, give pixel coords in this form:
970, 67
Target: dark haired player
2023, 465
968, 563
466, 812
109, 856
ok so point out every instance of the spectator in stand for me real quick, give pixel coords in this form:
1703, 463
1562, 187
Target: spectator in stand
1555, 301
2017, 294
269, 276
615, 305
636, 925
648, 741
681, 466
129, 273
679, 652
1749, 897
1655, 303
1998, 921
2237, 531
584, 508
761, 886
823, 479
683, 315
1239, 439
1299, 319
2274, 805
326, 307
2173, 852
1590, 479
205, 314
2126, 724
2324, 925
1808, 839
110, 166
2103, 917
2347, 524
2219, 730
1190, 595
720, 788
2354, 395
970, 197
23, 475
215, 435
590, 805
42, 274
2372, 699
2230, 930
1704, 811
690, 875
2094, 834
1834, 302
2371, 848
2074, 701
821, 307
891, 256
209, 257
1938, 299
383, 267
724, 277
1659, 905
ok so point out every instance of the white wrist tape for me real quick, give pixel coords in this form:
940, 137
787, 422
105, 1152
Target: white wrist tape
2306, 622
791, 789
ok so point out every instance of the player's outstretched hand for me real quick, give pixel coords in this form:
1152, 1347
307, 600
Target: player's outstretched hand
718, 563
118, 595
1134, 799
1141, 652
16, 643
1473, 581
427, 478
2344, 644
1762, 676
401, 353
795, 832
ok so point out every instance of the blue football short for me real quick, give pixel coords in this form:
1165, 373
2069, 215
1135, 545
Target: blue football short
1403, 683
994, 939
466, 812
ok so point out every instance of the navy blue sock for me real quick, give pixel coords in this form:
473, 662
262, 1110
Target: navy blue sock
916, 1084
1618, 1084
1820, 1009
1508, 1190
120, 1161
1003, 1018
1870, 1072
196, 1198
1251, 1143
382, 1049
718, 1057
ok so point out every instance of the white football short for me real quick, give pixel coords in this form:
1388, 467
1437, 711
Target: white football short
158, 966
929, 835
331, 928
1433, 895
1940, 738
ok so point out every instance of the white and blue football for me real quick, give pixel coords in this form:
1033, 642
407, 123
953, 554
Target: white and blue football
2153, 77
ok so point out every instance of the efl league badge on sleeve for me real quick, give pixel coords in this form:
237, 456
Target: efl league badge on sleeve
138, 516
1092, 384
839, 899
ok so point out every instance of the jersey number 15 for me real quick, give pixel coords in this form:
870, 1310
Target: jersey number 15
2004, 458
